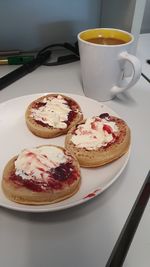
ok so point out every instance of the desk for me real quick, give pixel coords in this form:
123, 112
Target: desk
143, 52
82, 236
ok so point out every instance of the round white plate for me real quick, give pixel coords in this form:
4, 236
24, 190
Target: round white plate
14, 136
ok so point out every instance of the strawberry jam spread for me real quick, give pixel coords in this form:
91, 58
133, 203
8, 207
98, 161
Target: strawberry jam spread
56, 179
55, 111
44, 168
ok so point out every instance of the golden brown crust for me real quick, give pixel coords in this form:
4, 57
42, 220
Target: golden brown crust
102, 155
23, 195
50, 132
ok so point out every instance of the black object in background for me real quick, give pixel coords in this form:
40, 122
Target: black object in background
24, 69
144, 76
122, 245
63, 59
42, 58
148, 61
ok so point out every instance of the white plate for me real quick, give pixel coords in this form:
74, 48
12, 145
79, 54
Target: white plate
14, 136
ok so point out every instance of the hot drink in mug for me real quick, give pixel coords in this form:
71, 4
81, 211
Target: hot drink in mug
103, 54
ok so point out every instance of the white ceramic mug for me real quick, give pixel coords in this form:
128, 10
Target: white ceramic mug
103, 65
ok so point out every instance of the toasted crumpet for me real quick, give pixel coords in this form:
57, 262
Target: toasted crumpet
101, 143
56, 183
52, 115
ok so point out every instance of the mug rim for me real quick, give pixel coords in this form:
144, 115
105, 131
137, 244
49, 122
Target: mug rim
105, 45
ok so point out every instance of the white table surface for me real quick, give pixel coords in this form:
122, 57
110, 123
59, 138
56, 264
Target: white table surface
82, 236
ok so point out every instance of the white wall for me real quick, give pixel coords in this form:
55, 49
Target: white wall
32, 24
146, 19
117, 13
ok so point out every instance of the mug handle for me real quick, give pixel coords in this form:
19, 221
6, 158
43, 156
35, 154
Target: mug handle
136, 66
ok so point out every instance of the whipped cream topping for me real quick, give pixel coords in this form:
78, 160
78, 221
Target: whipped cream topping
94, 133
36, 163
54, 112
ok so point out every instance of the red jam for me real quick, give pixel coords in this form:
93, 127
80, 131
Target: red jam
71, 104
43, 124
107, 128
64, 174
37, 105
104, 116
72, 114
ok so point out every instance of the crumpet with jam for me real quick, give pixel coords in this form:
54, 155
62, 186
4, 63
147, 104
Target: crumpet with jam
52, 115
98, 140
41, 175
